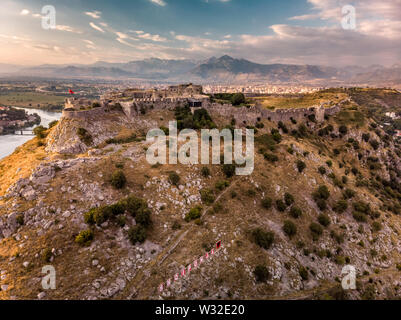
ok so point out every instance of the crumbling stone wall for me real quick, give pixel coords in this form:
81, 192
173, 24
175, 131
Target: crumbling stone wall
83, 114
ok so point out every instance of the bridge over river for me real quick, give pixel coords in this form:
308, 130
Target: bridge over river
23, 133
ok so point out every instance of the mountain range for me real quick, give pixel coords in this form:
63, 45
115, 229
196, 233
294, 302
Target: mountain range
224, 69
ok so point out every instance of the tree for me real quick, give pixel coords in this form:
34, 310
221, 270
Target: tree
137, 234
237, 99
262, 238
39, 132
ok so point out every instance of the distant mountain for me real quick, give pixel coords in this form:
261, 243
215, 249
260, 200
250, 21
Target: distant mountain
147, 69
8, 68
379, 74
227, 67
224, 70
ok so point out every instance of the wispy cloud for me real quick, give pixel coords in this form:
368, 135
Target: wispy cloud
60, 27
90, 44
147, 36
96, 27
94, 14
24, 12
159, 2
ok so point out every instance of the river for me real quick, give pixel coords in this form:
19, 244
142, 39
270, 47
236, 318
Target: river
9, 142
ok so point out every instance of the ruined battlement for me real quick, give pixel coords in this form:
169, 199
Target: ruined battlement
134, 102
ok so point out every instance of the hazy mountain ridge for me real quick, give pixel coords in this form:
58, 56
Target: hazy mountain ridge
222, 69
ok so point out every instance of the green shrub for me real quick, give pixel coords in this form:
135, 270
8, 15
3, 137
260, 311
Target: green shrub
349, 193
343, 130
207, 196
134, 205
321, 193
340, 206
321, 204
221, 185
376, 226
288, 199
324, 220
143, 217
89, 216
40, 132
53, 123
267, 202
228, 170
173, 178
137, 234
280, 205
205, 172
289, 228
295, 212
270, 157
121, 221
366, 137
322, 170
340, 260
85, 237
250, 193
300, 165
359, 216
193, 214
20, 219
303, 273
329, 163
316, 230
176, 225
118, 179
374, 144
261, 273
84, 136
47, 255
262, 238
361, 207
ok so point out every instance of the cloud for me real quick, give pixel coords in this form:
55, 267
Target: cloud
94, 14
24, 12
147, 36
67, 29
96, 27
305, 17
123, 38
90, 44
159, 2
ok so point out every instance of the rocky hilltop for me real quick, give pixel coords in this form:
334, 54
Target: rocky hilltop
82, 198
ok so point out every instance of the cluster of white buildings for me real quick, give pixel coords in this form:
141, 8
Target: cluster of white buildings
259, 89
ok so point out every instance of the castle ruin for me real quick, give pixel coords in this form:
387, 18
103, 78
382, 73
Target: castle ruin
135, 102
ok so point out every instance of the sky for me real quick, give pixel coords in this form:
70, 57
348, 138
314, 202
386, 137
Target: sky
264, 31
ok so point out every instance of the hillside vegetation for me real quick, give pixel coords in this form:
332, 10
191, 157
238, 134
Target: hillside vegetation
114, 227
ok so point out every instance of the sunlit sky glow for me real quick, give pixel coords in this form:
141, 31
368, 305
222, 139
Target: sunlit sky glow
292, 31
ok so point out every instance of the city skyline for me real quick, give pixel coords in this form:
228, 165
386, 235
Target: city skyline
297, 32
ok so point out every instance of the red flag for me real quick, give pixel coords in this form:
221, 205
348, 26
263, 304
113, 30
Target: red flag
70, 91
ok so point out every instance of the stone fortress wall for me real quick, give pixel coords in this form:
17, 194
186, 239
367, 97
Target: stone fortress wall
134, 102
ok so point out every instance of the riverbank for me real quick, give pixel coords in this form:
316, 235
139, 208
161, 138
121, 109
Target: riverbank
9, 142
14, 119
